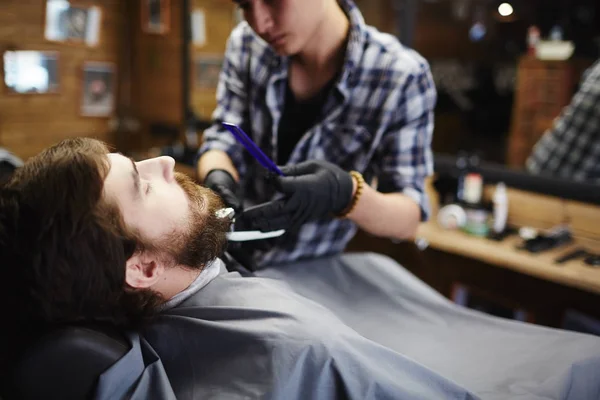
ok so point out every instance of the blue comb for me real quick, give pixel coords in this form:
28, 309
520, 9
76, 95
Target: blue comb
252, 148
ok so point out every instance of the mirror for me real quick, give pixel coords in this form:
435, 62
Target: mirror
503, 81
31, 72
209, 28
72, 23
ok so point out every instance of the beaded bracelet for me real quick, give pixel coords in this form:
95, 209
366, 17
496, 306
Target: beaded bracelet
360, 182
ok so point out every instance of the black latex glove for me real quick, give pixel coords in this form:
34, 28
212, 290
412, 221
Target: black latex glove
313, 190
225, 186
241, 254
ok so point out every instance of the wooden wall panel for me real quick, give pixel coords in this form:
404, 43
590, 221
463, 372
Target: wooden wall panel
379, 13
30, 123
150, 85
157, 96
219, 18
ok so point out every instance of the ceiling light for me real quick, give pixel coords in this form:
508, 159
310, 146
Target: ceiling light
505, 9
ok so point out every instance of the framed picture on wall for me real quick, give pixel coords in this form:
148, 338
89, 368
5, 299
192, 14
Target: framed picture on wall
98, 89
68, 23
198, 25
207, 68
156, 16
31, 72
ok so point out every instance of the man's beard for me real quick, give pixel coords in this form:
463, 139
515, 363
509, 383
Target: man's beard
204, 238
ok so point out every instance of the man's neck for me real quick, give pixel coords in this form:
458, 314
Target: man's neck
176, 280
328, 43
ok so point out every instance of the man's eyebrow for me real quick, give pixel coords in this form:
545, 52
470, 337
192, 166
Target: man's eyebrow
136, 179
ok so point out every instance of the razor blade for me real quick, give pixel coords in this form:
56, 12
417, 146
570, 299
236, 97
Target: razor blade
245, 236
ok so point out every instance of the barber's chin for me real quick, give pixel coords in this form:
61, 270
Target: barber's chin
283, 48
283, 51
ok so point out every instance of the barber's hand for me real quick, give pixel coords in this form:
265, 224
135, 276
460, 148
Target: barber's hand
313, 189
225, 186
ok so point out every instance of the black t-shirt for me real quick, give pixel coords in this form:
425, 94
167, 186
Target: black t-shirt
297, 118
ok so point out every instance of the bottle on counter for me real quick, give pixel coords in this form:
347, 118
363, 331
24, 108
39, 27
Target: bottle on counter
500, 208
533, 38
556, 33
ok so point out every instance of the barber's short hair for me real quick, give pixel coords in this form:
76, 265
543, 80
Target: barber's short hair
63, 246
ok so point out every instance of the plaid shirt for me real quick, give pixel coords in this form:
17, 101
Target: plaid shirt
378, 120
571, 148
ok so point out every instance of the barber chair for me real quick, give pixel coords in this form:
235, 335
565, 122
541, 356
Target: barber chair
66, 363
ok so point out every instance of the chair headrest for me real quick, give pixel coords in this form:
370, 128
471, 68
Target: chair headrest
66, 363
9, 158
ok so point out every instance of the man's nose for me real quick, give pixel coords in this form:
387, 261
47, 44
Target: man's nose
263, 22
167, 165
163, 166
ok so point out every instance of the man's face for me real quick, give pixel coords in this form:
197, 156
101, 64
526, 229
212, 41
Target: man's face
286, 25
167, 209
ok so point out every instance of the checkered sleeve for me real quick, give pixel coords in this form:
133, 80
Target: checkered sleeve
232, 101
571, 147
405, 155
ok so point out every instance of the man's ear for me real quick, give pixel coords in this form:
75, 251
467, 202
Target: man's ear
142, 271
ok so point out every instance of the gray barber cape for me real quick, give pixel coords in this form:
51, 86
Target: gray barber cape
354, 326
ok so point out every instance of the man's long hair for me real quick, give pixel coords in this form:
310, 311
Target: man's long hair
64, 247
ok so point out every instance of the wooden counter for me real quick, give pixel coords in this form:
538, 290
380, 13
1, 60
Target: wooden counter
505, 254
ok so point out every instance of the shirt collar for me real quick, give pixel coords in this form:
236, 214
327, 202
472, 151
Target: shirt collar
210, 272
355, 46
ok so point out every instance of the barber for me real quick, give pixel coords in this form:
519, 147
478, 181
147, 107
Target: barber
340, 106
